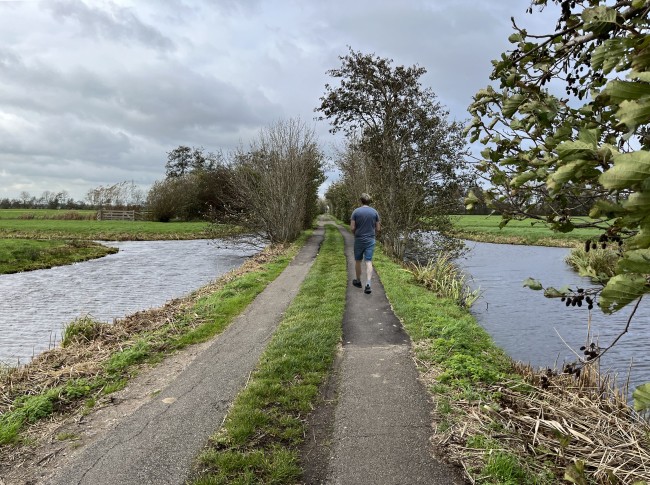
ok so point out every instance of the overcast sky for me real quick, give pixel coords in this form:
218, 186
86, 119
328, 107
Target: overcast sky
97, 92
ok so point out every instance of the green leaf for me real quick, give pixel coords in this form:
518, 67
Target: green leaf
511, 105
608, 55
563, 174
533, 284
641, 396
564, 227
641, 76
619, 91
634, 113
575, 473
599, 14
521, 179
636, 261
604, 208
629, 169
576, 150
590, 137
638, 202
621, 290
551, 292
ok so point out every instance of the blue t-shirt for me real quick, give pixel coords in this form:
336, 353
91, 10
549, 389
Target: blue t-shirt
365, 219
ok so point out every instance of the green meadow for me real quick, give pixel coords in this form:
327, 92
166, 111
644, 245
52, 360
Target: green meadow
527, 231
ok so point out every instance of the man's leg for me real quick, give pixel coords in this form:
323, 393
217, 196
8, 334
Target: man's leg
368, 270
368, 253
358, 256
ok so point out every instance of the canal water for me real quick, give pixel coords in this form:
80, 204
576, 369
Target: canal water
35, 306
542, 331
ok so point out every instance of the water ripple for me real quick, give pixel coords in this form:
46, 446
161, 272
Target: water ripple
36, 305
531, 328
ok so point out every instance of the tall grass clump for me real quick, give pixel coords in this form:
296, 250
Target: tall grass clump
81, 330
444, 278
598, 264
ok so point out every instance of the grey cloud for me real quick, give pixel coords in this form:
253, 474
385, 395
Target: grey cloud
117, 24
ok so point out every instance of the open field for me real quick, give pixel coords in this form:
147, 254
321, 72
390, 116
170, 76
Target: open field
529, 231
46, 214
110, 230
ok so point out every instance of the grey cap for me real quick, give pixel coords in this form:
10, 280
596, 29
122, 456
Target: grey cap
365, 198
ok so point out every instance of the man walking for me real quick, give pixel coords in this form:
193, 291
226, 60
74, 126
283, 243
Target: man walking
364, 224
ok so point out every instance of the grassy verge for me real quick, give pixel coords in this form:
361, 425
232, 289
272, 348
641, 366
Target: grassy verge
529, 231
24, 255
99, 358
507, 423
112, 230
260, 439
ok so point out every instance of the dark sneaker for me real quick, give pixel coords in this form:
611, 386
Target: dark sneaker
367, 291
356, 283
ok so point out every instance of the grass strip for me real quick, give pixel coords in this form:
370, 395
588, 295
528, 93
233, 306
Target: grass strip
25, 255
110, 354
260, 439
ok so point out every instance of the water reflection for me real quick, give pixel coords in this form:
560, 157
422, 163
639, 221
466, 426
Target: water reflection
36, 305
532, 328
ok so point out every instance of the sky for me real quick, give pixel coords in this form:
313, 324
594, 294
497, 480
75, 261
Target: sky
97, 92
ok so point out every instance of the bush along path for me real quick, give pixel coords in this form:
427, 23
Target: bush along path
158, 442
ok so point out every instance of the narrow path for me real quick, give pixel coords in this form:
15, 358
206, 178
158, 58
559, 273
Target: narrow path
382, 421
157, 443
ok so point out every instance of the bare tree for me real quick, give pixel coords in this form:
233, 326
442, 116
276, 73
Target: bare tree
277, 180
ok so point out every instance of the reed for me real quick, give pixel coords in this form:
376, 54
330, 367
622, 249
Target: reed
444, 278
598, 264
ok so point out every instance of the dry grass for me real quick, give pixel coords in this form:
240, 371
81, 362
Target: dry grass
578, 427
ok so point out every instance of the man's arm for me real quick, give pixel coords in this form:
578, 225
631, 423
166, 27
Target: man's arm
377, 227
353, 225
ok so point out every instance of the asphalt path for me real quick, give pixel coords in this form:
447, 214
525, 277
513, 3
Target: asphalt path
158, 443
379, 432
382, 420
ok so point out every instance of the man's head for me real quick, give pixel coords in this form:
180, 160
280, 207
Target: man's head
365, 199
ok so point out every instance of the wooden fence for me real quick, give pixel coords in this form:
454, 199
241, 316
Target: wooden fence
121, 215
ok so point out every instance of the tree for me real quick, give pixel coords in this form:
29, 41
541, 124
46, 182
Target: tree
183, 160
277, 180
412, 157
25, 198
588, 146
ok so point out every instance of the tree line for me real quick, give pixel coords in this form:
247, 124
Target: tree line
121, 195
269, 187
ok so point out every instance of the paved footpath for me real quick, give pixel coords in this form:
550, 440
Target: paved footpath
382, 421
157, 444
